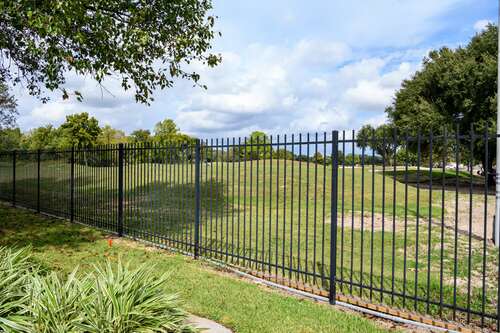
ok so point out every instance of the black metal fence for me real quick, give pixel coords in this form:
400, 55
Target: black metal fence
401, 221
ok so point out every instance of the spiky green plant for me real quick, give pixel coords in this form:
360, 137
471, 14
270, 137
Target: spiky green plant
15, 270
110, 299
56, 304
132, 300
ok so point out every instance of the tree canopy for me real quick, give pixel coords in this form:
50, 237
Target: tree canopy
146, 44
379, 139
10, 138
140, 136
8, 106
81, 130
167, 132
110, 135
44, 137
455, 87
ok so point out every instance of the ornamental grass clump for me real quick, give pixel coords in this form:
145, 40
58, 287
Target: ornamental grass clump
109, 299
15, 271
56, 304
131, 300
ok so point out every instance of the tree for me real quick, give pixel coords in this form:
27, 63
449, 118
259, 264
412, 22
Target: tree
283, 154
140, 136
317, 158
454, 89
110, 135
146, 43
379, 139
44, 137
8, 106
80, 130
10, 138
167, 133
257, 147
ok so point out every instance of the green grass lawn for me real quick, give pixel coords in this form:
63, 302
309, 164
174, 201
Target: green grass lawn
236, 303
262, 222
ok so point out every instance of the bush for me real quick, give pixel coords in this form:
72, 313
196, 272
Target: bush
125, 300
56, 305
15, 269
109, 299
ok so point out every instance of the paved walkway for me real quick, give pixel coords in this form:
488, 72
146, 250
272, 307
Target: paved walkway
207, 326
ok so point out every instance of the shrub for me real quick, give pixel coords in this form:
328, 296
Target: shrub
125, 300
15, 269
109, 299
56, 305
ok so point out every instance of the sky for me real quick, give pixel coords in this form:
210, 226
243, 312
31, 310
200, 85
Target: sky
288, 66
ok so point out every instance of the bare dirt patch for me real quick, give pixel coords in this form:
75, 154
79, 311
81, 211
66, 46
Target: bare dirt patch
457, 216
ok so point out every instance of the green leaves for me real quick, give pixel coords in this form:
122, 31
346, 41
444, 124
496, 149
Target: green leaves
15, 269
109, 299
8, 106
128, 300
55, 304
81, 130
456, 88
44, 40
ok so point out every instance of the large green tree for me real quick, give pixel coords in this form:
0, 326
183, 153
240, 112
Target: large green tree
110, 135
44, 137
454, 88
380, 139
81, 130
140, 136
167, 133
10, 138
146, 44
257, 146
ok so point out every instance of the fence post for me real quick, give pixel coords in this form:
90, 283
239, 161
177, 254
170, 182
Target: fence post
333, 216
197, 200
14, 178
72, 185
38, 157
120, 189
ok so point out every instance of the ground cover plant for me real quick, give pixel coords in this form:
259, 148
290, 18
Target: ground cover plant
106, 298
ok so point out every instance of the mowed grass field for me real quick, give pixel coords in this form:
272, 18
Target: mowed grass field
275, 216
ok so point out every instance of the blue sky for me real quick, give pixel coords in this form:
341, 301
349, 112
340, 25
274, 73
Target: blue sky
288, 66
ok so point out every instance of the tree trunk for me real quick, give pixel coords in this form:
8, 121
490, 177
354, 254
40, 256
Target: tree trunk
489, 166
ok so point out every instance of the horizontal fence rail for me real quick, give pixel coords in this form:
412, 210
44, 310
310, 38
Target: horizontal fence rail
400, 221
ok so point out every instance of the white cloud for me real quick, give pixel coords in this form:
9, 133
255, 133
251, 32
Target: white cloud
320, 52
54, 112
369, 95
481, 25
309, 86
376, 93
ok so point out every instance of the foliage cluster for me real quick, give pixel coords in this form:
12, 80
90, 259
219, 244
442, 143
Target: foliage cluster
83, 131
145, 44
109, 298
455, 90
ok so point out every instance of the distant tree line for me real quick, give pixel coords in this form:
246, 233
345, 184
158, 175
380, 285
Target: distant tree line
167, 144
83, 131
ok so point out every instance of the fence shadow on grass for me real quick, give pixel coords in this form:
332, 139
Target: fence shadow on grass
460, 182
17, 229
